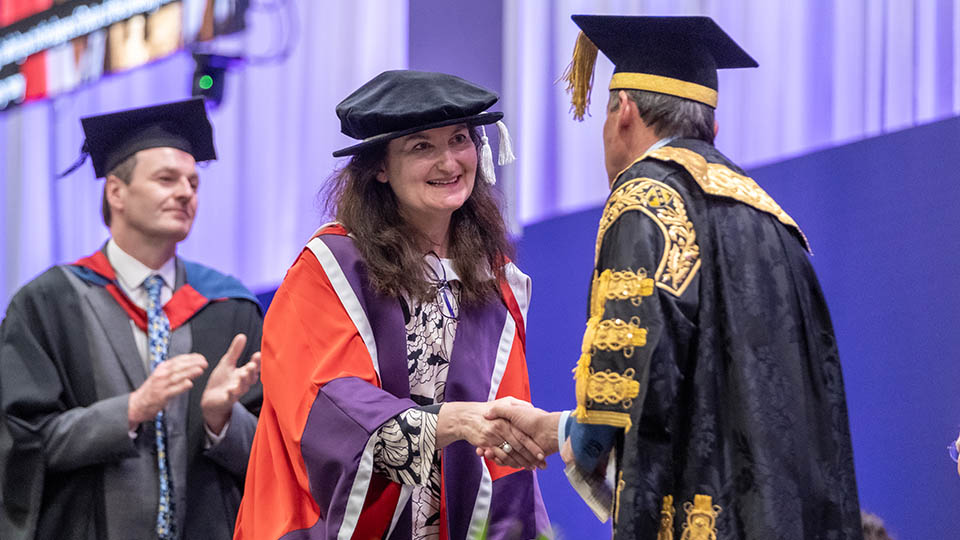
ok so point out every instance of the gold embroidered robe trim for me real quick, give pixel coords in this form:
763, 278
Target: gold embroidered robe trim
607, 387
605, 418
664, 205
610, 388
718, 179
667, 512
618, 335
619, 285
701, 521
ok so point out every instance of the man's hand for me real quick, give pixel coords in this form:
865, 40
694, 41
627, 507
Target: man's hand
539, 425
172, 377
468, 421
227, 383
566, 453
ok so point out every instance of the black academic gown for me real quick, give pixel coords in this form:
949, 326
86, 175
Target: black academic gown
710, 343
68, 467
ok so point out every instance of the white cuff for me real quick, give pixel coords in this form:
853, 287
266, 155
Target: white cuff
212, 439
562, 428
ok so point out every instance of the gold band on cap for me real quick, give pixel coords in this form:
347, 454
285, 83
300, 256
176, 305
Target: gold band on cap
664, 85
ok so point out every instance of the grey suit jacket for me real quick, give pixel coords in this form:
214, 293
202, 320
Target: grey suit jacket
91, 440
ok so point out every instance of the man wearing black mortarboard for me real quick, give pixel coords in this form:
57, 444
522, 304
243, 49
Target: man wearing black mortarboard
128, 379
709, 370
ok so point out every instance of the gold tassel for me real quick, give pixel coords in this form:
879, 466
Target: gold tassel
579, 75
582, 372
582, 375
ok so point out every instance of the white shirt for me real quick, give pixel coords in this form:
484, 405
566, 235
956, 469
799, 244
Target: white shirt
131, 274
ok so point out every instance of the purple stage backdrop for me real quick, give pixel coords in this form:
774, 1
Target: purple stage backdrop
274, 132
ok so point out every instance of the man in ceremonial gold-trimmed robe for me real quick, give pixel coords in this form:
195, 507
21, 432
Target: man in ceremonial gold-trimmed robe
709, 370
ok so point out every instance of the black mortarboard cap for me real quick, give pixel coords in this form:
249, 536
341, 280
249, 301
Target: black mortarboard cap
401, 102
113, 137
678, 56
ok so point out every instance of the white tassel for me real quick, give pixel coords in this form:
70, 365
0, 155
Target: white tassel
486, 158
506, 146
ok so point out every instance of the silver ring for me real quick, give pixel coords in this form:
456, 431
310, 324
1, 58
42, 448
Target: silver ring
505, 446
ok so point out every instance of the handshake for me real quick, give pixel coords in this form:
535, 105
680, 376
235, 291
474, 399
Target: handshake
508, 431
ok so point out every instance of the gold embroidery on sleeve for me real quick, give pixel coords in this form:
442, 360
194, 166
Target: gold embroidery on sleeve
619, 285
663, 204
619, 335
701, 519
605, 418
610, 335
718, 179
607, 387
610, 388
666, 519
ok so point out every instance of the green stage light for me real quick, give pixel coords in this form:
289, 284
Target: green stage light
206, 82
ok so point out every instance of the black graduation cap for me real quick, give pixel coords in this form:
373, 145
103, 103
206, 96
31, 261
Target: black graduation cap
401, 102
113, 137
678, 56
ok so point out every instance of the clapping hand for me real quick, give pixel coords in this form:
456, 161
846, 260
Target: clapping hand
227, 383
170, 379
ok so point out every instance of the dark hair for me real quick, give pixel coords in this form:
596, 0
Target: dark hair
393, 249
670, 116
123, 171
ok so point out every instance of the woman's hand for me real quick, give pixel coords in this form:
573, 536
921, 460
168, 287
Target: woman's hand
465, 420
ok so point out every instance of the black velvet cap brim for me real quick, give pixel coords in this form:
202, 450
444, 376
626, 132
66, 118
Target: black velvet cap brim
480, 119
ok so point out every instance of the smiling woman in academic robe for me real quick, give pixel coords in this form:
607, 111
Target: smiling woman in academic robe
392, 335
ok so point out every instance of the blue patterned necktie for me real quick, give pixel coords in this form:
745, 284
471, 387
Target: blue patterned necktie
158, 337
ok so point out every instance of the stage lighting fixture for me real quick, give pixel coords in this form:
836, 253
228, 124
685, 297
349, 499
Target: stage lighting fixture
209, 77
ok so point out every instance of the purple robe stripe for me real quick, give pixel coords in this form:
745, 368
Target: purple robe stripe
336, 448
504, 521
473, 362
382, 312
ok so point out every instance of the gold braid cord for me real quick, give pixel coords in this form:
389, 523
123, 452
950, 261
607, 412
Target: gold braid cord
660, 202
701, 519
718, 179
622, 285
610, 388
619, 335
606, 387
666, 519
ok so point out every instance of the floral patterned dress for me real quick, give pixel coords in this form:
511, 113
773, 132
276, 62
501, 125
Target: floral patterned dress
406, 449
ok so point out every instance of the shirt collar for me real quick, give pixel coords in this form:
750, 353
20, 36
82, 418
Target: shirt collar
131, 273
660, 144
438, 268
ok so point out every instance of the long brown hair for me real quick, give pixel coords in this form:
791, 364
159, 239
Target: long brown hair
392, 248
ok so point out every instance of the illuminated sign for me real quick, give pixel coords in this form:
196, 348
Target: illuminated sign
49, 47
